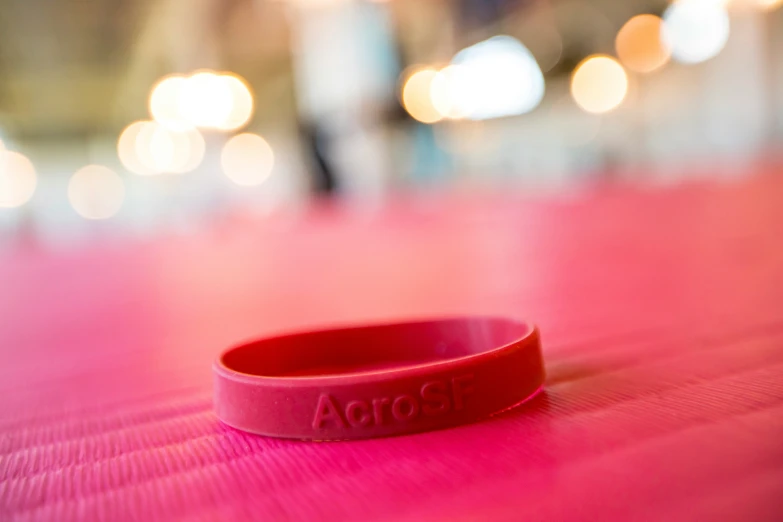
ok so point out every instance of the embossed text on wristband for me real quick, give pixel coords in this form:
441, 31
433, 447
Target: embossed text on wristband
378, 380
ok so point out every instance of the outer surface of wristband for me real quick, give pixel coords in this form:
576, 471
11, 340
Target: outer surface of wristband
378, 380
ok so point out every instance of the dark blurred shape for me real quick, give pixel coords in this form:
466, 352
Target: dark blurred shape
316, 142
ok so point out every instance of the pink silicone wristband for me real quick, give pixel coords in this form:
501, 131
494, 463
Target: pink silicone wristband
378, 380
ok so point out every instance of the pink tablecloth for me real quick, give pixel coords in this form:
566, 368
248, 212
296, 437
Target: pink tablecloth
662, 319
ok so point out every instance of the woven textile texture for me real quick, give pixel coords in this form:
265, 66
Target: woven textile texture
662, 320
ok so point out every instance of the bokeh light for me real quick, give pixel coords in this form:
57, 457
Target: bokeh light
96, 192
205, 100
162, 150
155, 147
241, 103
416, 96
639, 45
17, 179
443, 89
494, 78
247, 159
126, 149
599, 84
695, 30
196, 147
164, 102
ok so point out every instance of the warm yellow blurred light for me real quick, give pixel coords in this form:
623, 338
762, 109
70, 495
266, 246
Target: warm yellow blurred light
205, 100
247, 159
164, 102
17, 179
443, 92
162, 150
416, 96
639, 44
96, 192
241, 103
154, 147
196, 148
599, 84
126, 149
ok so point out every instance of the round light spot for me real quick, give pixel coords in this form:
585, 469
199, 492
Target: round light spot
599, 84
416, 96
126, 149
247, 159
164, 102
162, 150
196, 148
96, 192
695, 30
17, 179
241, 103
443, 91
206, 100
639, 44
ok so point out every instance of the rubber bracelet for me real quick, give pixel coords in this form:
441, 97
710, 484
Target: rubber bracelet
378, 380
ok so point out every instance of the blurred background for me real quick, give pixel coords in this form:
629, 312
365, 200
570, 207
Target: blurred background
126, 117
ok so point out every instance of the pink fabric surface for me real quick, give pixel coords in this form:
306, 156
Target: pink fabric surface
662, 322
